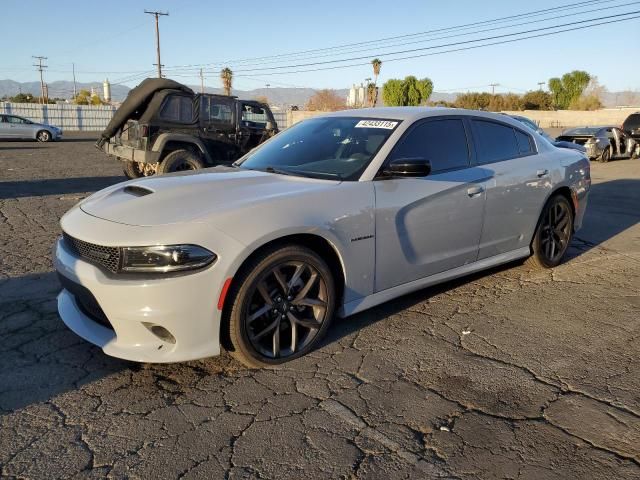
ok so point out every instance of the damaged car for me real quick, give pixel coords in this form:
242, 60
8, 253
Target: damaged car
603, 143
163, 127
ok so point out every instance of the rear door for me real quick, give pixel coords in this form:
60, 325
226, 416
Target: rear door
431, 224
520, 182
5, 128
251, 128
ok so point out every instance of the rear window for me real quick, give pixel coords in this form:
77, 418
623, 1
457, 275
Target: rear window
632, 122
495, 141
177, 108
525, 144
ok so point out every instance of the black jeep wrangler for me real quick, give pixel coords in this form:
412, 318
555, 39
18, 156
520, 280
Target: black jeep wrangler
163, 126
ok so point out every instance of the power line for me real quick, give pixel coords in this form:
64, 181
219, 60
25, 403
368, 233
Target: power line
337, 67
427, 32
433, 47
156, 15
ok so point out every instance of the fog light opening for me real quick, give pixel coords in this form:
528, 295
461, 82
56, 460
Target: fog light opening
160, 332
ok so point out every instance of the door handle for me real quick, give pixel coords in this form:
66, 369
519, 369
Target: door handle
542, 173
473, 191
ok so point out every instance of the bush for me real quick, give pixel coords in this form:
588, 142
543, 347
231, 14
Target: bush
326, 100
536, 100
586, 102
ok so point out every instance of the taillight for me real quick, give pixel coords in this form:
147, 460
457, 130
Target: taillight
144, 130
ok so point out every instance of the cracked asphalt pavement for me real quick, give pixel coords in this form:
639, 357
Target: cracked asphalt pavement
508, 374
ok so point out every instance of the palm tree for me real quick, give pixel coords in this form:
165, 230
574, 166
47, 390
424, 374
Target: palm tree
226, 75
377, 64
372, 94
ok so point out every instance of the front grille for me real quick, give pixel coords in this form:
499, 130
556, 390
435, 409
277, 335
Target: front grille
85, 301
106, 257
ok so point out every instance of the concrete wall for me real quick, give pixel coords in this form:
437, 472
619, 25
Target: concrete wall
68, 117
575, 118
295, 116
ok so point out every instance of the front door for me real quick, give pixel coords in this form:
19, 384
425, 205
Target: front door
5, 128
251, 128
19, 127
218, 127
432, 224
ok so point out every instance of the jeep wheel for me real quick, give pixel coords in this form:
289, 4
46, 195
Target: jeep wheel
179, 161
132, 169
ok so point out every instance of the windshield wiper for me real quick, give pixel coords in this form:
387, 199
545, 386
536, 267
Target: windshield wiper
270, 169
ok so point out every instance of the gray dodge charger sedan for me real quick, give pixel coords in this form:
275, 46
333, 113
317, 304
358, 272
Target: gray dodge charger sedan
335, 215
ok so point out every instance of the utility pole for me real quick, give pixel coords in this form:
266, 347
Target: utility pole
540, 84
157, 14
201, 82
40, 67
493, 87
75, 92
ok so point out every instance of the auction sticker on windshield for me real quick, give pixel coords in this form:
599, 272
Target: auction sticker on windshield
376, 124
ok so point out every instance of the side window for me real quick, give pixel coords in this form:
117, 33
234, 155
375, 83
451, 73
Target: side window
442, 142
216, 111
253, 113
525, 144
18, 120
3, 119
495, 141
177, 108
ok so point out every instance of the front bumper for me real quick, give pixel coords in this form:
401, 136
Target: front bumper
185, 305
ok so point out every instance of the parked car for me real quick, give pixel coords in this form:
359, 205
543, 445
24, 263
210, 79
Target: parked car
13, 127
603, 143
334, 215
164, 127
558, 143
631, 126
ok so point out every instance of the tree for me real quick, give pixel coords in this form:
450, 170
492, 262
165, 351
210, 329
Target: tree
568, 88
226, 75
22, 98
407, 92
326, 100
376, 63
537, 100
372, 94
85, 97
393, 94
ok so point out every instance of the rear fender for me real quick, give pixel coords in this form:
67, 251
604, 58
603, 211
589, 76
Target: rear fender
164, 138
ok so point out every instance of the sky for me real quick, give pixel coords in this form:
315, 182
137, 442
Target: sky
115, 39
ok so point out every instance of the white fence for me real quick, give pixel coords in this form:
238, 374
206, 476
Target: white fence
82, 118
69, 117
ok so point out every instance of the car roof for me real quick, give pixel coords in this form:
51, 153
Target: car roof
417, 113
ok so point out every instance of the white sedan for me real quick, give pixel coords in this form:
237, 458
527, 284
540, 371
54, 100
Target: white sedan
333, 216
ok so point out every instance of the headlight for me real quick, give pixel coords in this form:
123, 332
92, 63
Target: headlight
165, 258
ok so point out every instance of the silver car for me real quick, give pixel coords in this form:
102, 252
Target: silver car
335, 215
13, 127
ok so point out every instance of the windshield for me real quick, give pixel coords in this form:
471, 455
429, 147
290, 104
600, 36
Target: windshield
329, 147
582, 131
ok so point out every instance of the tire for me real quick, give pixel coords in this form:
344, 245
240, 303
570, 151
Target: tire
606, 155
180, 160
259, 309
44, 136
132, 169
552, 227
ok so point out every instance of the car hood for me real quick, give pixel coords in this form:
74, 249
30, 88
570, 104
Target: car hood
195, 196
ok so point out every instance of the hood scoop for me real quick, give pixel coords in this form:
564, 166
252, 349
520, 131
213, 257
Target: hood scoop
137, 190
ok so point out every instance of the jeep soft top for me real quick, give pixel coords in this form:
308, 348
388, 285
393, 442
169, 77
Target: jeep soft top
163, 126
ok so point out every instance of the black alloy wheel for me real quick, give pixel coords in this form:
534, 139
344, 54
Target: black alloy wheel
554, 232
282, 308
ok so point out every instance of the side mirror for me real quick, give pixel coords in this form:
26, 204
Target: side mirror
408, 167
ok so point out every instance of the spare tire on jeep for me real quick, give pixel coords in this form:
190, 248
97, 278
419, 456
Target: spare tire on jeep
180, 160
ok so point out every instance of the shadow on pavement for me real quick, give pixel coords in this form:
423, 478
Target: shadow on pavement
41, 357
55, 186
613, 207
